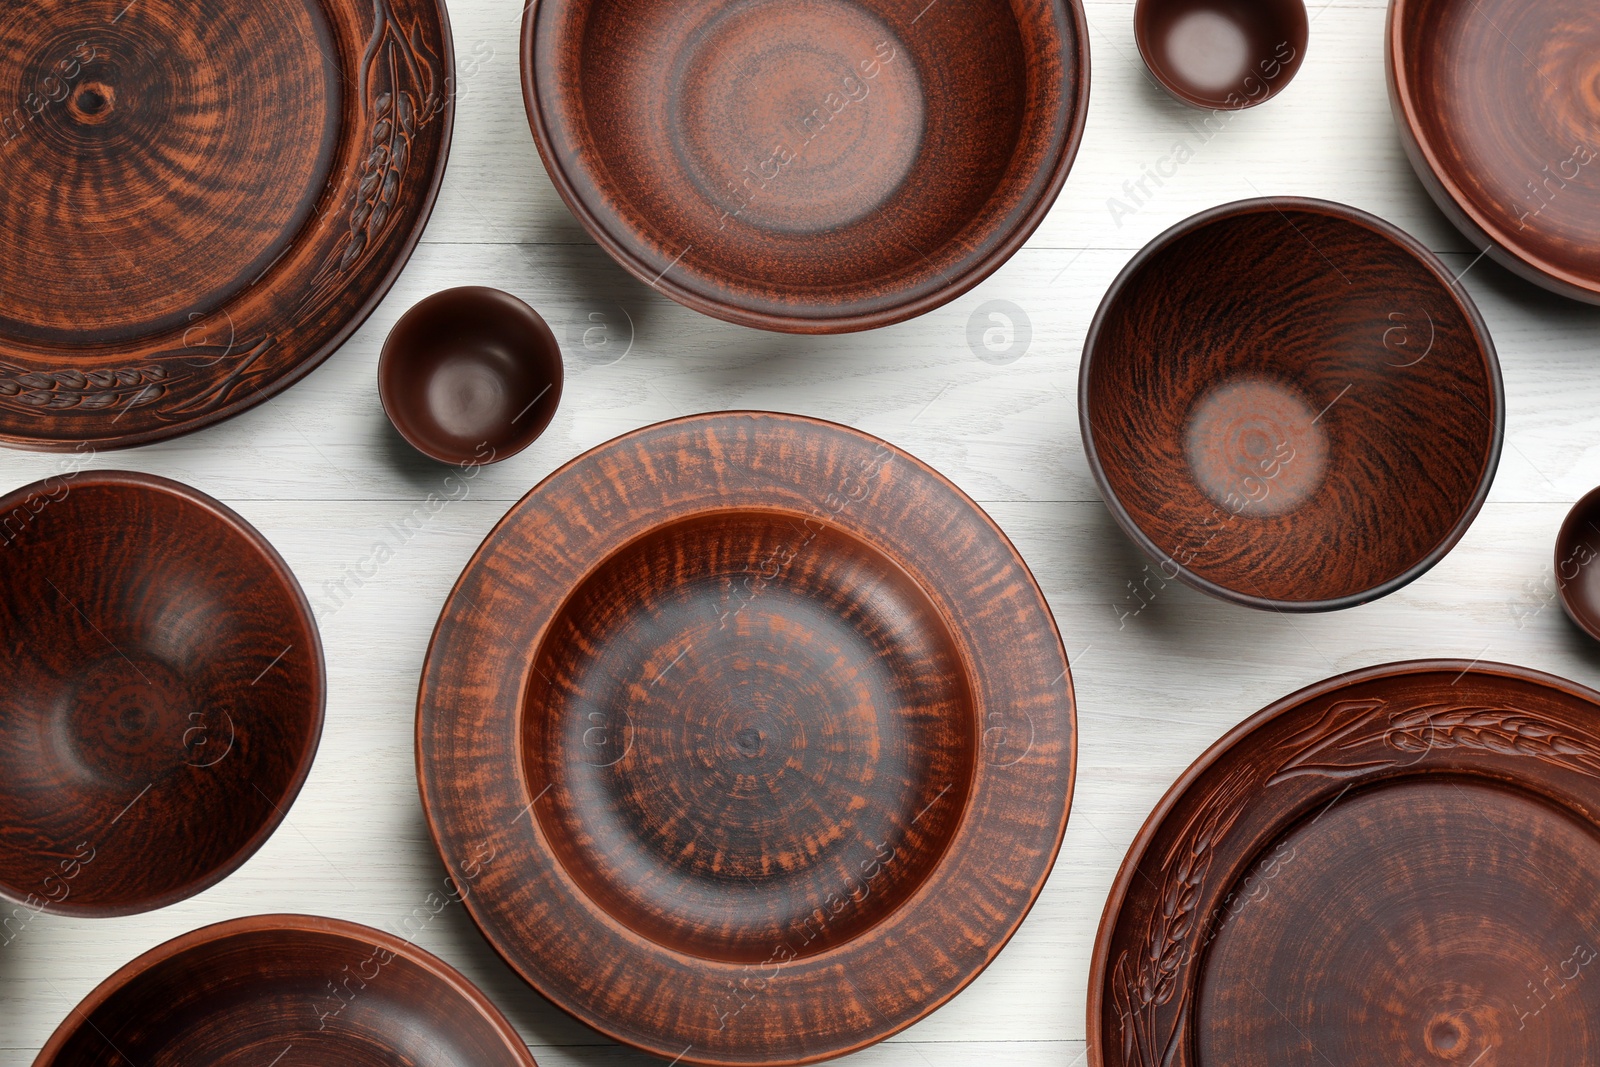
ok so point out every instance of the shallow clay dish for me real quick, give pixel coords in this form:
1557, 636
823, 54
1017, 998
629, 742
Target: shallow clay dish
286, 991
470, 376
816, 166
1577, 552
760, 733
1229, 55
1498, 105
1288, 404
1395, 866
161, 692
206, 198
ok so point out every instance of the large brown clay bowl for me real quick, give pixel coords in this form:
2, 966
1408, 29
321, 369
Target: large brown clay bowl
816, 166
1290, 404
161, 692
204, 199
1578, 563
286, 991
470, 376
759, 732
1393, 866
1498, 106
1227, 55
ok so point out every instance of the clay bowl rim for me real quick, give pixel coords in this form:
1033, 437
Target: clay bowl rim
433, 818
138, 481
1380, 228
619, 246
358, 318
392, 366
1158, 70
1148, 830
1565, 535
1403, 99
280, 922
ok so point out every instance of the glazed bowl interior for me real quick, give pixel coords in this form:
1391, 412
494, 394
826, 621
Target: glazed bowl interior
1578, 563
471, 375
817, 165
1288, 404
330, 993
161, 697
804, 709
1500, 101
1226, 54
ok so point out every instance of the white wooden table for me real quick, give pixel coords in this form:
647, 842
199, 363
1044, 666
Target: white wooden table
320, 473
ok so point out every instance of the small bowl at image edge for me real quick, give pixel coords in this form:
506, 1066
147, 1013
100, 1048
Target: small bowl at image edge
470, 376
161, 695
1290, 404
1577, 552
1222, 54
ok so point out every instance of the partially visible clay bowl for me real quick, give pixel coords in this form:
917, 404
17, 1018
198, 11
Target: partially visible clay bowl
286, 991
813, 166
1289, 404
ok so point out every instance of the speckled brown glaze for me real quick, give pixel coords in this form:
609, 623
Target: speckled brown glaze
813, 166
761, 733
161, 693
1229, 55
1578, 563
286, 991
1289, 404
1394, 866
471, 375
205, 200
1498, 105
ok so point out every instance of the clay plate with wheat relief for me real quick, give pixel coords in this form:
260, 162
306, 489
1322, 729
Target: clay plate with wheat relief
206, 199
1394, 866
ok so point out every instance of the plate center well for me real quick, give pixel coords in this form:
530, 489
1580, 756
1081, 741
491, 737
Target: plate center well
1429, 921
756, 732
169, 157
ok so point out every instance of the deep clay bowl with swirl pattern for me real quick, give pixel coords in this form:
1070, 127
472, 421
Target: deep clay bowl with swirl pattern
812, 166
286, 991
1498, 106
161, 693
1290, 404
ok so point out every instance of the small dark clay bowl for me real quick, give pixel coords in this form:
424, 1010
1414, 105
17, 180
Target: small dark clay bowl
1223, 54
303, 989
1577, 552
470, 376
161, 692
813, 166
1289, 404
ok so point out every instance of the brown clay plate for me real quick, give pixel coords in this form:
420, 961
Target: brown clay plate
758, 733
285, 991
1393, 866
205, 199
813, 166
1498, 105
